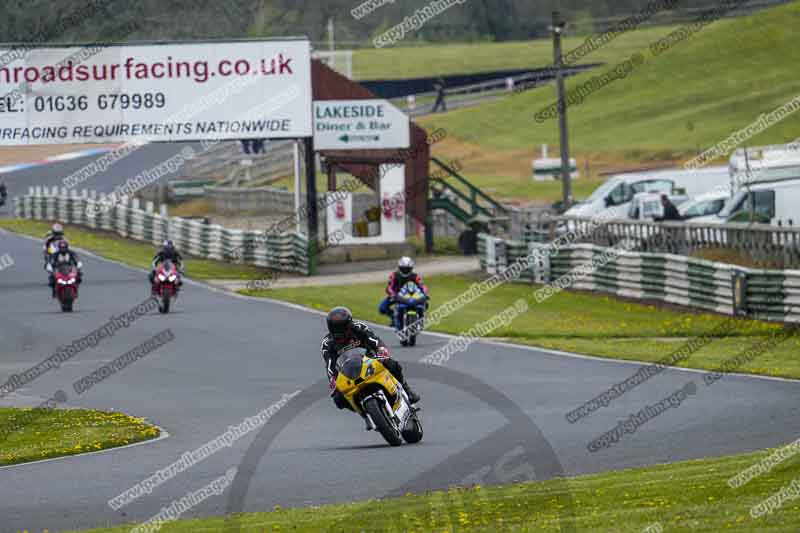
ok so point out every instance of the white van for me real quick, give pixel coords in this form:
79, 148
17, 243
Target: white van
617, 193
776, 203
765, 163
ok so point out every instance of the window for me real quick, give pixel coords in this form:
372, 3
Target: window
761, 203
764, 204
603, 191
659, 186
653, 209
619, 194
703, 208
735, 205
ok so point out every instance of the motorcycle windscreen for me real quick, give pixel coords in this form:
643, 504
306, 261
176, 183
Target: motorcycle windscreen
411, 291
351, 362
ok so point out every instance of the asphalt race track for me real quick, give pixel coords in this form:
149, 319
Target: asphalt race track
51, 175
233, 357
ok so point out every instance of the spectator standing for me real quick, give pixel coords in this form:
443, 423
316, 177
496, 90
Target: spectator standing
439, 86
670, 211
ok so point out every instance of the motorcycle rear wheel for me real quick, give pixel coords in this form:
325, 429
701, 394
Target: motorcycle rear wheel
375, 411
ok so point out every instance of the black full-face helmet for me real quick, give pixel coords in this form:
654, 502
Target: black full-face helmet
340, 320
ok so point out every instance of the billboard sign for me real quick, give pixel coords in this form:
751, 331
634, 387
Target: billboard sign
155, 92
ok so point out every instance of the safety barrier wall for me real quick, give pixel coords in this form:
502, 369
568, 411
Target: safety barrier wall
729, 289
286, 252
775, 246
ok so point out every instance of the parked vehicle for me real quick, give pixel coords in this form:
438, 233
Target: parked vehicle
764, 164
705, 207
618, 192
776, 203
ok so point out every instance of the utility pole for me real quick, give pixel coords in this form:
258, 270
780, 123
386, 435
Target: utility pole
558, 28
311, 204
330, 34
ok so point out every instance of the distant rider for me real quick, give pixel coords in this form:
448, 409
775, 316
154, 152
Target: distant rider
63, 256
3, 193
56, 233
166, 252
344, 333
404, 274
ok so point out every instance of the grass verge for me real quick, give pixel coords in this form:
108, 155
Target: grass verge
138, 254
32, 434
580, 322
685, 496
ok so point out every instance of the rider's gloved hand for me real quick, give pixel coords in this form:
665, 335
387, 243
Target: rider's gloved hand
382, 353
332, 385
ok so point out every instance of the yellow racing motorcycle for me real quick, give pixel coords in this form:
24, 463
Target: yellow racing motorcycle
378, 397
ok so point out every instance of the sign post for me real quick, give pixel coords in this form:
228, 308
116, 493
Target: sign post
359, 125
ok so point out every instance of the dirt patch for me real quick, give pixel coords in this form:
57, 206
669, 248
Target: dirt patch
14, 155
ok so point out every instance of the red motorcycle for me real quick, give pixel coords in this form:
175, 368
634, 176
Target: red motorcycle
165, 284
66, 278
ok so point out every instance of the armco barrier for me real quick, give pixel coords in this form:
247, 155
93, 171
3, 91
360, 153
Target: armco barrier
286, 252
729, 289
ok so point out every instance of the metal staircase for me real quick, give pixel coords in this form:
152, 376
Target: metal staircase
451, 192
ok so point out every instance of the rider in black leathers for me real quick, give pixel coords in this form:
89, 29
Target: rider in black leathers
63, 256
166, 252
344, 333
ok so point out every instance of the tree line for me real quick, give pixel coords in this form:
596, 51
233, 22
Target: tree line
472, 20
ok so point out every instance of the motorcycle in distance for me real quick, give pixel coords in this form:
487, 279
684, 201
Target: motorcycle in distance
66, 279
410, 301
165, 285
378, 397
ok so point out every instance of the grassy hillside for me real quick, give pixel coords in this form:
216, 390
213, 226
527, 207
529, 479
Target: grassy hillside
668, 109
434, 60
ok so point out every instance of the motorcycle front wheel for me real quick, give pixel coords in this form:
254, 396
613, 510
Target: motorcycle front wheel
165, 298
412, 433
404, 328
373, 407
66, 304
412, 326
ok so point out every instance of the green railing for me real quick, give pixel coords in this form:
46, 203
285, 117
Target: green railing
465, 201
